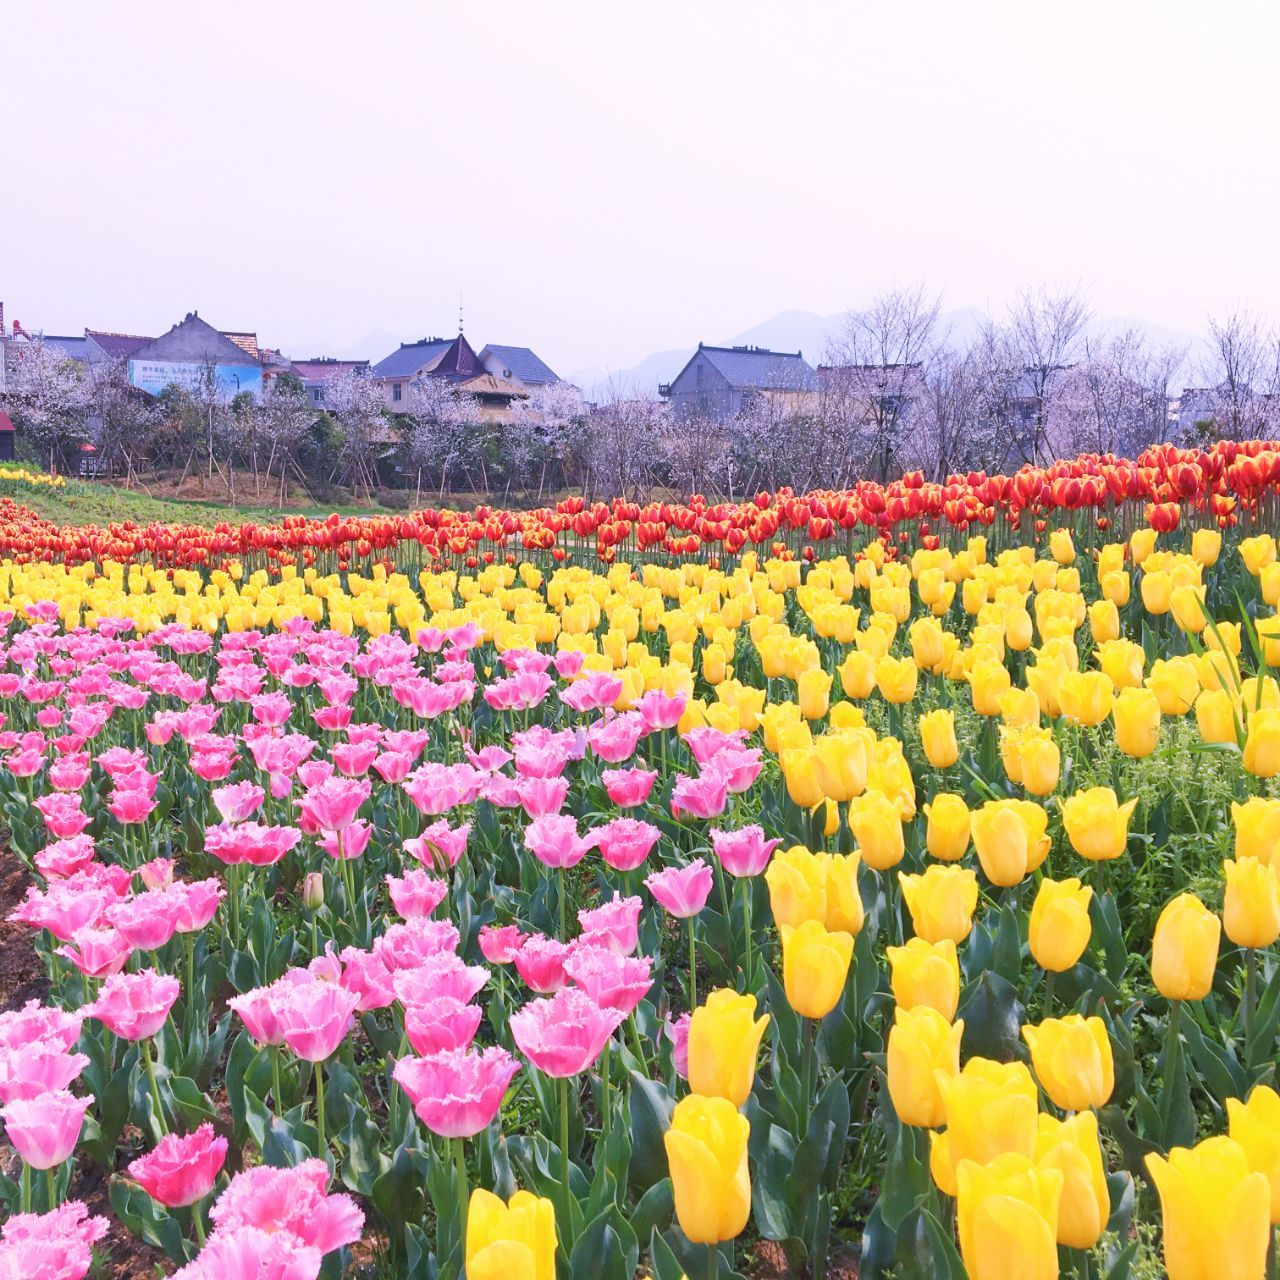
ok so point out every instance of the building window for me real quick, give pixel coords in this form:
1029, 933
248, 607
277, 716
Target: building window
315, 394
396, 391
698, 372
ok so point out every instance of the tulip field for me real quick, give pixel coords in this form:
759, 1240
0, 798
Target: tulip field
879, 884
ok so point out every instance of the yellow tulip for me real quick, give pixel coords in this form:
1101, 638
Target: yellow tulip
815, 966
814, 693
896, 678
1262, 743
858, 674
928, 644
922, 1045
1104, 620
991, 1109
938, 738
1206, 546
1019, 707
1188, 608
1059, 928
724, 1037
1072, 1059
842, 760
1096, 823
707, 1156
1008, 1209
1258, 552
1061, 548
800, 773
1176, 683
1010, 838
1040, 762
1157, 592
1217, 716
1255, 1125
947, 832
1136, 715
815, 886
1071, 1147
1257, 827
1122, 661
941, 901
925, 973
515, 1240
1216, 1213
1116, 589
877, 828
1251, 903
1184, 950
1086, 697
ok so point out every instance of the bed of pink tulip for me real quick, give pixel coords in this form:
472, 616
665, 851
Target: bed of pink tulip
278, 879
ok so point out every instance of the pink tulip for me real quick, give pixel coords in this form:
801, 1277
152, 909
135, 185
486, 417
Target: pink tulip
250, 843
157, 874
614, 924
705, 742
738, 767
568, 662
592, 691
332, 719
439, 840
50, 1246
564, 1034
333, 805
349, 844
442, 1023
540, 796
499, 944
31, 1069
290, 1203
97, 953
554, 840
314, 1018
408, 945
196, 903
744, 852
393, 766
247, 1252
456, 1094
131, 807
541, 758
257, 1010
62, 858
678, 1034
628, 788
661, 710
62, 814
682, 891
354, 758
443, 974
612, 981
36, 1023
489, 759
134, 1006
238, 800
701, 797
540, 963
416, 893
146, 921
44, 1130
615, 738
625, 843
181, 1168
70, 773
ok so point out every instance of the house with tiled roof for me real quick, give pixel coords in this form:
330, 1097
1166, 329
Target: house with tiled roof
517, 364
102, 346
315, 373
191, 353
453, 359
720, 382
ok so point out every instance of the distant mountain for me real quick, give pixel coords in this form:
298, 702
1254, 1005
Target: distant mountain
812, 335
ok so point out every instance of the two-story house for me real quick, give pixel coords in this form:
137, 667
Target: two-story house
720, 382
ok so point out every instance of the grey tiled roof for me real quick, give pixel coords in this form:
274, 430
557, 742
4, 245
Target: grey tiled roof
760, 370
523, 364
410, 358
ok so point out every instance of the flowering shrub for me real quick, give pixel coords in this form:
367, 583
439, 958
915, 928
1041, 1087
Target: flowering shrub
918, 903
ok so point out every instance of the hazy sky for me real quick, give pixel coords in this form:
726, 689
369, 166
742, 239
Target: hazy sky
600, 180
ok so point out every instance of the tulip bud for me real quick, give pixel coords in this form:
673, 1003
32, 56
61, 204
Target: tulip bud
947, 832
938, 738
1262, 743
1059, 928
941, 901
1216, 1212
313, 891
1071, 1146
1072, 1060
922, 1045
1097, 824
1040, 761
1184, 950
724, 1037
1257, 826
1136, 714
707, 1156
1255, 1125
1251, 904
925, 973
814, 693
1206, 545
1011, 840
1217, 716
877, 827
815, 966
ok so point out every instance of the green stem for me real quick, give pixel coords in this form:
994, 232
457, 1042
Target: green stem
637, 1046
713, 1261
1049, 978
50, 1191
564, 1144
197, 1221
564, 907
189, 939
460, 1173
277, 1093
1250, 993
25, 1197
154, 1085
748, 958
604, 1087
807, 1081
693, 969
324, 1144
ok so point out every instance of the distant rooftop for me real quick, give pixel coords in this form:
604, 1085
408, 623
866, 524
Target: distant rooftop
759, 369
116, 346
410, 357
521, 363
